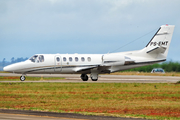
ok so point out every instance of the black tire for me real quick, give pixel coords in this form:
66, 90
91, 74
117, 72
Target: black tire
94, 79
22, 78
84, 77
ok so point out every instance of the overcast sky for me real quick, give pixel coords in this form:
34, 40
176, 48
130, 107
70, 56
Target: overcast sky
29, 27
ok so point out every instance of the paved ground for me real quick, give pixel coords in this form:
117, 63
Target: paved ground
9, 116
103, 78
6, 114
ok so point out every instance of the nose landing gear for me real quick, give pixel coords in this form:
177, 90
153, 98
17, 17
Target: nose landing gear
23, 78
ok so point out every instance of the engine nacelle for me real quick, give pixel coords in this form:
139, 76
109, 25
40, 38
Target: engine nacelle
110, 60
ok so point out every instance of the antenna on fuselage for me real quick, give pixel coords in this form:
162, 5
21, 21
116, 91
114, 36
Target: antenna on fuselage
133, 40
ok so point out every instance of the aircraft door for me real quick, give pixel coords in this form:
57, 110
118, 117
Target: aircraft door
102, 60
58, 64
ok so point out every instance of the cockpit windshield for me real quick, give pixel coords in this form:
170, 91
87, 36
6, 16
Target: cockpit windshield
37, 58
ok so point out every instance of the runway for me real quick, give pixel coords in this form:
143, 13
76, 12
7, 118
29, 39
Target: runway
5, 116
102, 78
10, 114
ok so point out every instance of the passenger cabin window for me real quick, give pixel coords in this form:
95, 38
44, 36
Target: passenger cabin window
37, 58
82, 59
58, 59
64, 59
70, 59
89, 59
76, 59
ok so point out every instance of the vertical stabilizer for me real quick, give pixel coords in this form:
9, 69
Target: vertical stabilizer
160, 42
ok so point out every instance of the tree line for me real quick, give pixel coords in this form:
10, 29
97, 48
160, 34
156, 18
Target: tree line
168, 66
4, 63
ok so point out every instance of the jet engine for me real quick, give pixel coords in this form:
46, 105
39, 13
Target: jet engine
110, 60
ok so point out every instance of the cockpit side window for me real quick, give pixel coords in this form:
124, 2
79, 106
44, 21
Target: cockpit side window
41, 58
37, 58
33, 58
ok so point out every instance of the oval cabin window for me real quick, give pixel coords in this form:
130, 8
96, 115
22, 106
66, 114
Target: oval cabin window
70, 58
64, 59
58, 59
89, 59
82, 59
76, 59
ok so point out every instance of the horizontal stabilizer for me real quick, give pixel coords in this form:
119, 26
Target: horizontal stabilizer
157, 50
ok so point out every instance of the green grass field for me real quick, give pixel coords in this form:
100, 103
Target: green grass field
156, 101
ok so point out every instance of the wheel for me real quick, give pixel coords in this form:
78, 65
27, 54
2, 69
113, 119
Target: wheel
94, 79
22, 78
84, 77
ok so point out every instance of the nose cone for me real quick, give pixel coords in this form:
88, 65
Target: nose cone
14, 67
18, 67
5, 68
8, 68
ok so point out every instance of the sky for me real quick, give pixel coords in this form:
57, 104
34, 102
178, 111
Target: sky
29, 27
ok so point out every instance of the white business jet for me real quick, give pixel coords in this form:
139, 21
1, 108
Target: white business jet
155, 51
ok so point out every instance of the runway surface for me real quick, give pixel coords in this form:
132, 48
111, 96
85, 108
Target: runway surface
102, 78
5, 116
9, 114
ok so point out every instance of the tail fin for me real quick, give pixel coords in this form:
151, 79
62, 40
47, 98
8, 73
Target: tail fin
160, 42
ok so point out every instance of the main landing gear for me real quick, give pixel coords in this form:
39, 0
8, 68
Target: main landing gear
84, 77
94, 77
22, 78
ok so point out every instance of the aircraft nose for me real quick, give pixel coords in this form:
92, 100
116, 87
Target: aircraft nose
10, 68
16, 67
7, 68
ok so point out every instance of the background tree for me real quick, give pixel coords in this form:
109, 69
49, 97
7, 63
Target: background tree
4, 61
12, 60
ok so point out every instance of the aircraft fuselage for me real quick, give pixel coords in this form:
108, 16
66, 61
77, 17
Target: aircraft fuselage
155, 51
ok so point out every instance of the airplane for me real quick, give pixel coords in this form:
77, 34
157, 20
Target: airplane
94, 64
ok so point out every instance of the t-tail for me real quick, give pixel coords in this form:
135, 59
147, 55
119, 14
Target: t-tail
158, 46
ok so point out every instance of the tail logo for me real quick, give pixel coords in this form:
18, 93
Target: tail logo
159, 43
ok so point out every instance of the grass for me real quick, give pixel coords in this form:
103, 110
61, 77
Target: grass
15, 78
3, 72
155, 100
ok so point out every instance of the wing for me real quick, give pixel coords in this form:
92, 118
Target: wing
87, 69
84, 68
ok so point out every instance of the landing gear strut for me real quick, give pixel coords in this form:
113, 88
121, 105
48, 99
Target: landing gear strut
22, 78
94, 76
84, 77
